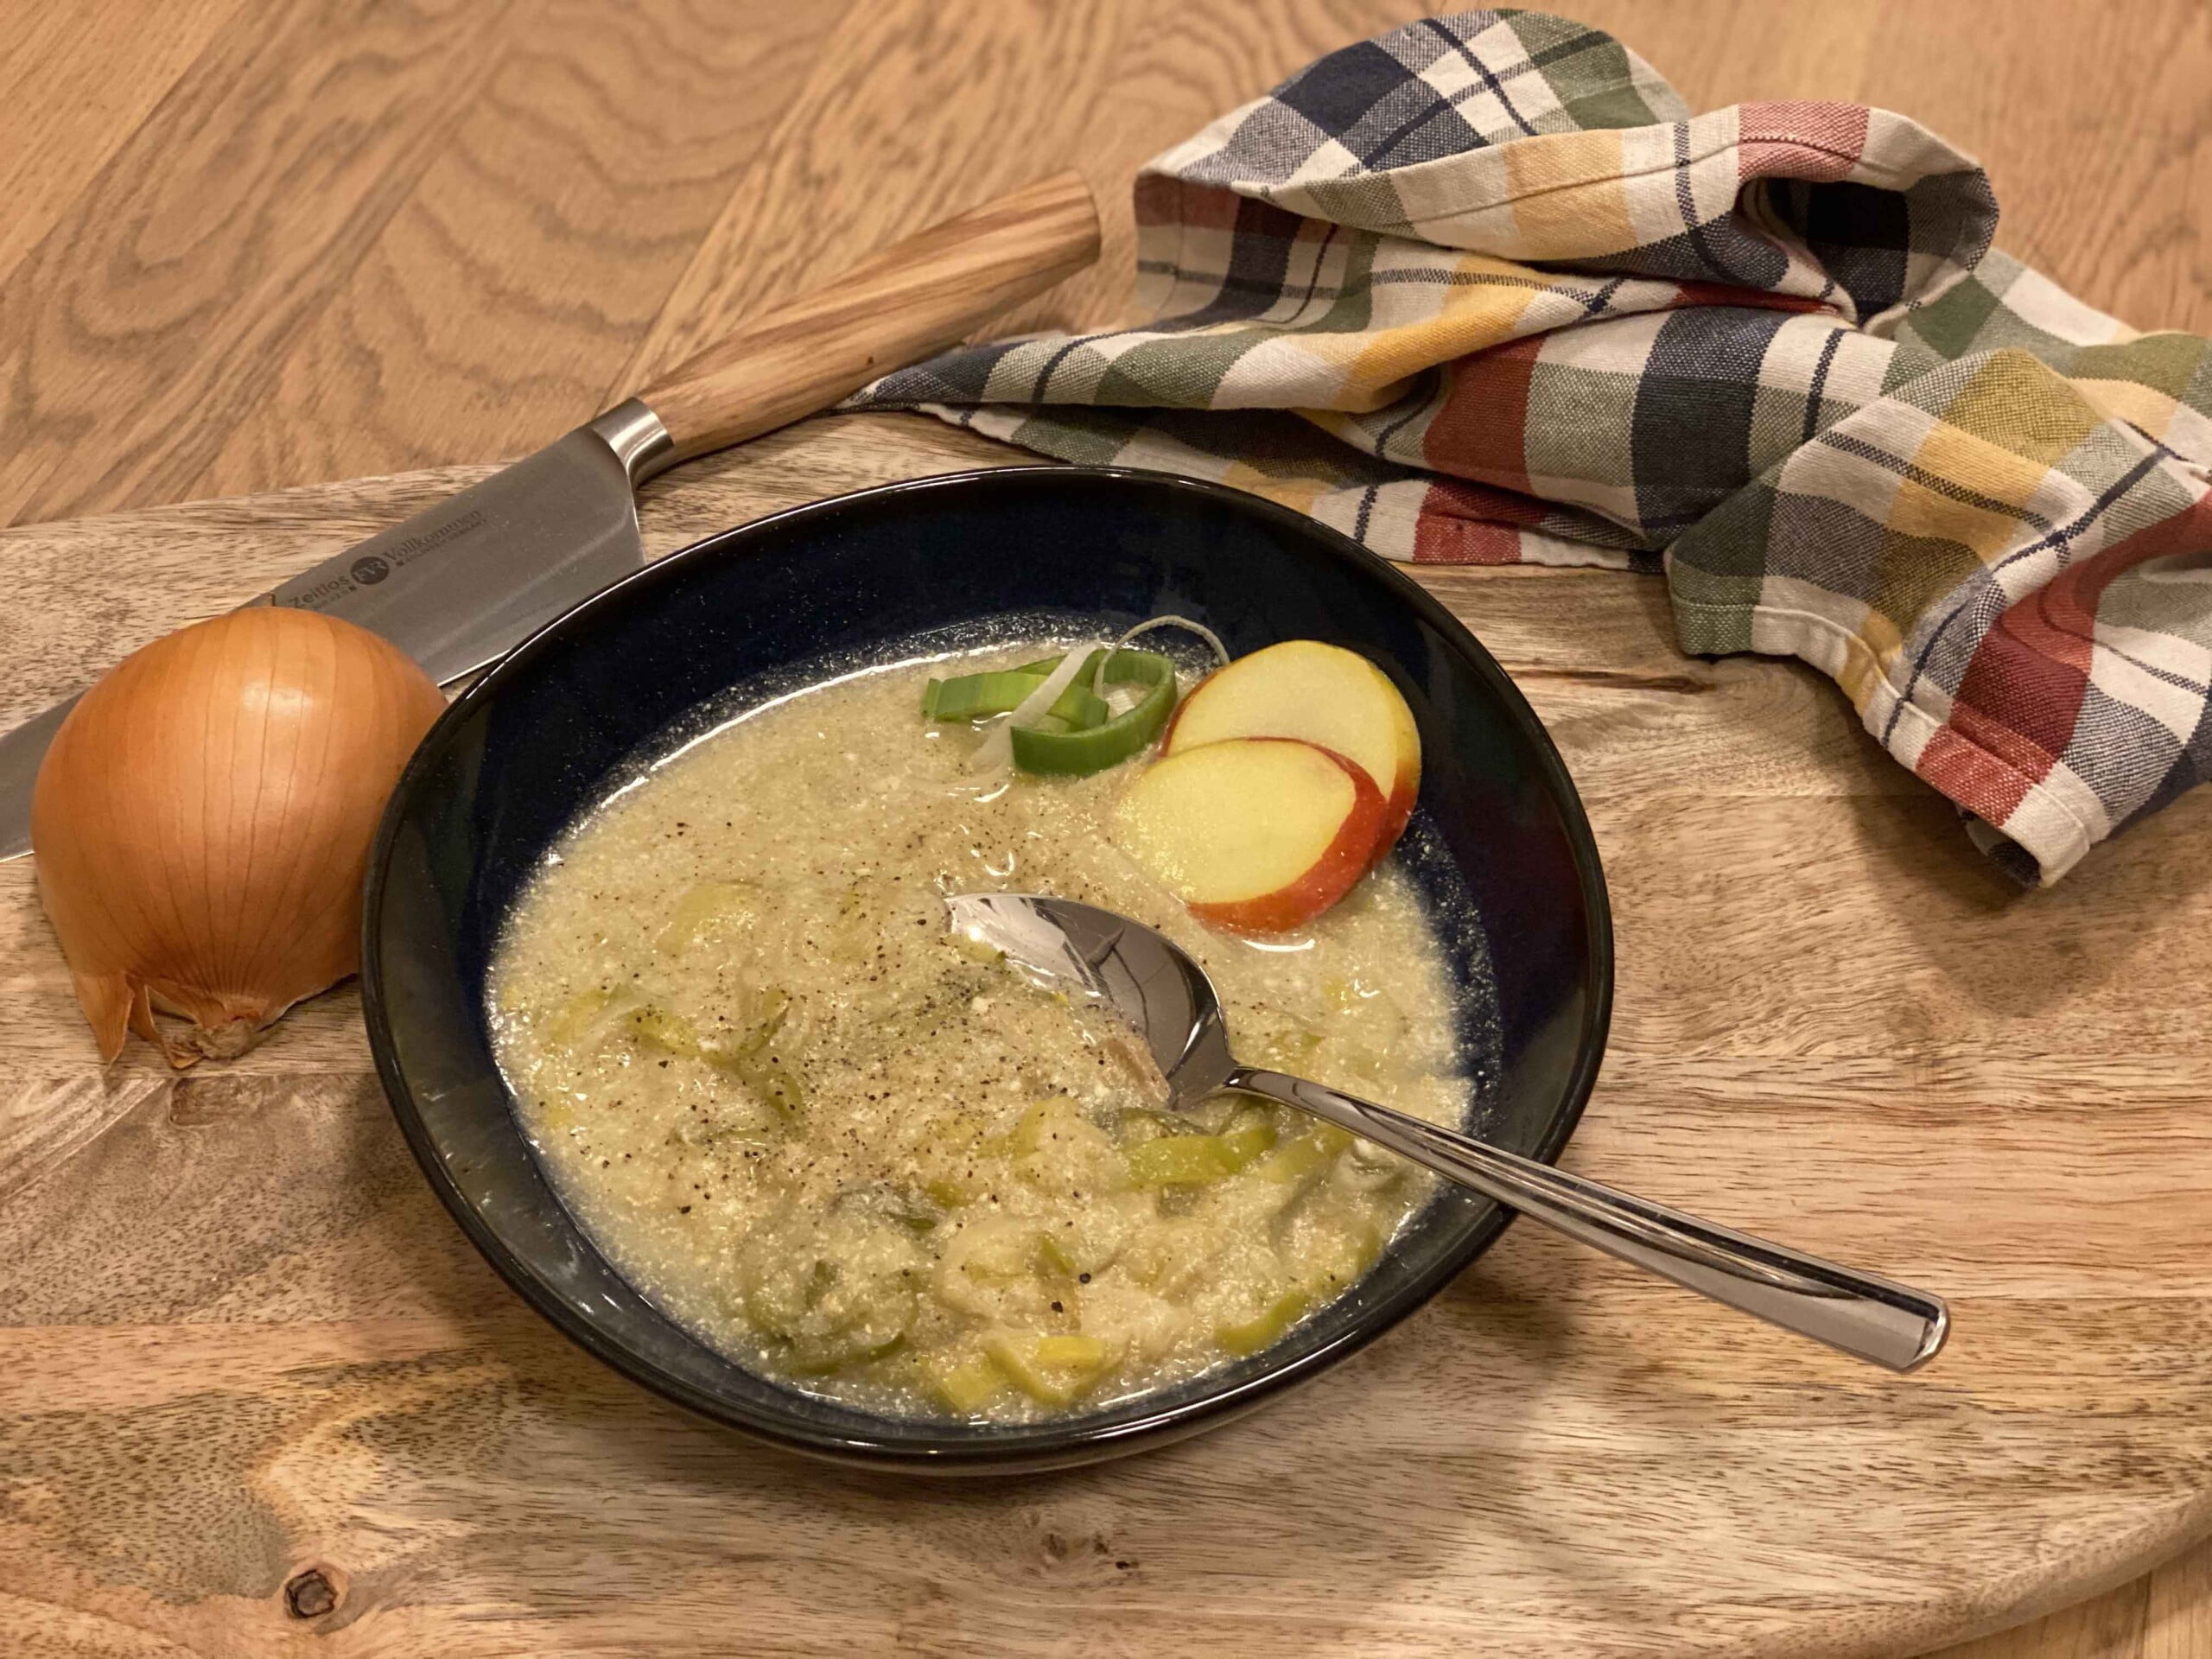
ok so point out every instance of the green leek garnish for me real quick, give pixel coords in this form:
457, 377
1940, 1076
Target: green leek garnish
983, 696
1080, 734
1082, 750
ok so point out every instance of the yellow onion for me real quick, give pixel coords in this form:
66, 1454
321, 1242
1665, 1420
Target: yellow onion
203, 818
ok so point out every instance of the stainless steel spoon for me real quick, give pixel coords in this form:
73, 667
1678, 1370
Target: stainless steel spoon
1149, 981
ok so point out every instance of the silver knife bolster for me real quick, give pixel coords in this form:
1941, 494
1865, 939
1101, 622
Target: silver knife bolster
639, 440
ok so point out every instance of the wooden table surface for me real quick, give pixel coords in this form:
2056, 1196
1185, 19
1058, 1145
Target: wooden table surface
254, 244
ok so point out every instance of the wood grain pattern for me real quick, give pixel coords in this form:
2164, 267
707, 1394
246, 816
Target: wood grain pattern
240, 1346
246, 245
73, 85
2108, 1627
513, 282
895, 77
2177, 1613
154, 313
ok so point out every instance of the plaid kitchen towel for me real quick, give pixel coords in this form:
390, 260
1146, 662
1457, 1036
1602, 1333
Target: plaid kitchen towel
1482, 290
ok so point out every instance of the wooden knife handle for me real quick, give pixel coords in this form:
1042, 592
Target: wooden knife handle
914, 299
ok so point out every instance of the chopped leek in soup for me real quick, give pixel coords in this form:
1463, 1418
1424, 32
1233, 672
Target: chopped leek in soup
867, 1159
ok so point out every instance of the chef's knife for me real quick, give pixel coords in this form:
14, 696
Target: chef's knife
461, 581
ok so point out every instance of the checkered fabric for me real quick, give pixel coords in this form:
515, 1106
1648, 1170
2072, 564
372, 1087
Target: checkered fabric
1482, 290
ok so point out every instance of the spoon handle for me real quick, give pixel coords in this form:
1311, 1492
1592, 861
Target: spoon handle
1874, 1318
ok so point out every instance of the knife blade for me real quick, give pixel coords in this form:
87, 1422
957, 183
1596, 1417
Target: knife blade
462, 582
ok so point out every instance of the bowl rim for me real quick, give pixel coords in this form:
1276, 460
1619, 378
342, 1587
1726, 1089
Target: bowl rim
1058, 1443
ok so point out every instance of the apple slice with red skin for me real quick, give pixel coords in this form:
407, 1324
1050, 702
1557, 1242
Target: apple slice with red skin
1321, 693
1257, 835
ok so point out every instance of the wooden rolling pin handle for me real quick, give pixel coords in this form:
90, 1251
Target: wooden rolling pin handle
912, 300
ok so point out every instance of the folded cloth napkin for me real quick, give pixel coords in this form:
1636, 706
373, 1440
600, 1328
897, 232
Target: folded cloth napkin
1482, 290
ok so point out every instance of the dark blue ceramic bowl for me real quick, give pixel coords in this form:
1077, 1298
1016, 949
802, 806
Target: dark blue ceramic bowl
1499, 844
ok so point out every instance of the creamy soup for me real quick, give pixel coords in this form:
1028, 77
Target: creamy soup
818, 1129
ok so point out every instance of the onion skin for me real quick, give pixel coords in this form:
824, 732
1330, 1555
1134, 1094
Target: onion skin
202, 821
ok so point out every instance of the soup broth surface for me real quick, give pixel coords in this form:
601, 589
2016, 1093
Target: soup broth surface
854, 1153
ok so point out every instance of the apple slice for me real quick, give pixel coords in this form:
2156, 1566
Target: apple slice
1319, 694
1255, 834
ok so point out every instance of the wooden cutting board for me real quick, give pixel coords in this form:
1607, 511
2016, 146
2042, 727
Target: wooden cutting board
259, 1396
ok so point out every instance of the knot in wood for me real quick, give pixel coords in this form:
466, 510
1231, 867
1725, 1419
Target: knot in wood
310, 1594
